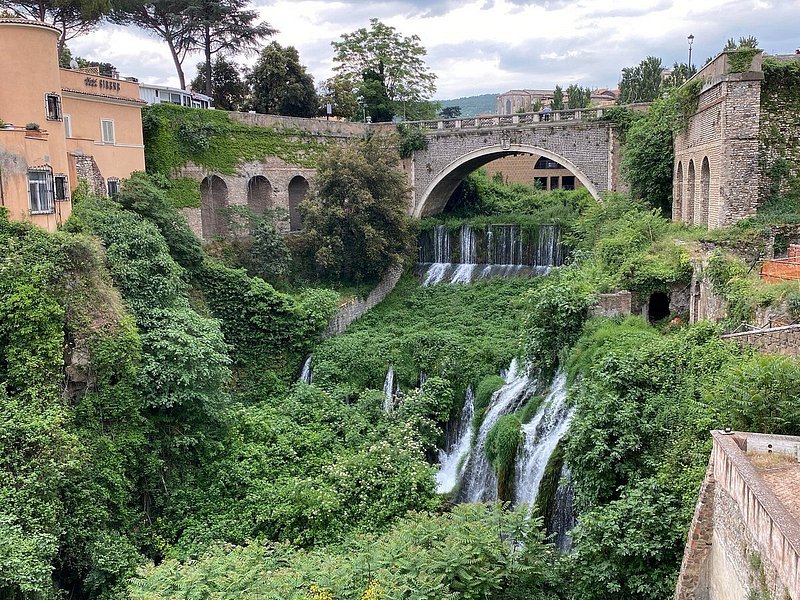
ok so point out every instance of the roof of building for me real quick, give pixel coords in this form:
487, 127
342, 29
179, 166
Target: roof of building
23, 21
166, 88
109, 96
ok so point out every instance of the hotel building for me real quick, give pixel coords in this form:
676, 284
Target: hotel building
59, 126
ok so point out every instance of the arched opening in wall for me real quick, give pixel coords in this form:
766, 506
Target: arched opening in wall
691, 208
677, 194
658, 307
213, 205
259, 194
508, 107
456, 193
298, 190
705, 185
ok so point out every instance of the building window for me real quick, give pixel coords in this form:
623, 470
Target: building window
67, 126
568, 182
60, 188
40, 190
112, 184
53, 107
107, 127
175, 98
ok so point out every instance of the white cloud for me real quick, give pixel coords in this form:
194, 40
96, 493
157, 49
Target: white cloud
480, 46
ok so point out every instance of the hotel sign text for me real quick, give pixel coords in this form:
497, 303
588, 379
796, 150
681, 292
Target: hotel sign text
101, 83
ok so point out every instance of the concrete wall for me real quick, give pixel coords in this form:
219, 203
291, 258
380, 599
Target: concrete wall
777, 340
742, 540
358, 307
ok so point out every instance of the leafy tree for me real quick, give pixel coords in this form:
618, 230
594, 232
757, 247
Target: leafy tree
382, 64
558, 99
641, 83
355, 219
578, 97
229, 91
450, 112
338, 92
223, 26
71, 17
281, 85
679, 75
166, 19
269, 256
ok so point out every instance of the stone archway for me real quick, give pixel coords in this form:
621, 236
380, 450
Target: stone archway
259, 194
298, 190
705, 186
692, 214
435, 197
213, 204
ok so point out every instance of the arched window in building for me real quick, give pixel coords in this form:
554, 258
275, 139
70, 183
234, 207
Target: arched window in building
691, 211
259, 194
705, 184
677, 194
547, 163
213, 202
298, 189
508, 107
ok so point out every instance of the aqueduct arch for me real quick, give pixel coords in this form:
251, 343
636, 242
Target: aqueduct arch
435, 197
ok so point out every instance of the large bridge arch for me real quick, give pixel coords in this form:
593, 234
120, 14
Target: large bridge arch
434, 199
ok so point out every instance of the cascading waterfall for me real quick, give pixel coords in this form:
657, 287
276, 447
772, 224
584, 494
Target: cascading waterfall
479, 481
548, 250
464, 273
562, 519
452, 461
492, 251
306, 376
388, 391
541, 436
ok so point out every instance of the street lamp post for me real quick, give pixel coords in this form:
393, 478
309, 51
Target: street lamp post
691, 39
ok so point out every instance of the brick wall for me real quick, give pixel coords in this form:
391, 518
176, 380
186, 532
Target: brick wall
777, 340
613, 305
716, 175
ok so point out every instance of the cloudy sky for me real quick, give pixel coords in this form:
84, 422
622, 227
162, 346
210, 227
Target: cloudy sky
490, 46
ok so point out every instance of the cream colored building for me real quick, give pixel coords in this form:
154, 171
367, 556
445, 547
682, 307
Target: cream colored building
59, 126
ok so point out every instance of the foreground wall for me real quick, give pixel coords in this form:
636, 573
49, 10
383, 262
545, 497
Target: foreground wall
744, 541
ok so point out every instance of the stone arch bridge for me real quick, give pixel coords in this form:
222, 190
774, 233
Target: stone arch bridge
580, 140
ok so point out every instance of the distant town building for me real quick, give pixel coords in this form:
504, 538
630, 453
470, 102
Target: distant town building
523, 101
156, 94
538, 171
59, 126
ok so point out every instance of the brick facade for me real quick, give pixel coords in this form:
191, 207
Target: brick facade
716, 176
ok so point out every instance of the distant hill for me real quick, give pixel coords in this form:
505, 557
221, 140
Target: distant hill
473, 105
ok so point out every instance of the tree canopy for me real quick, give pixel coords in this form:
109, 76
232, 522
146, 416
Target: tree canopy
71, 17
383, 66
641, 83
355, 219
281, 85
228, 89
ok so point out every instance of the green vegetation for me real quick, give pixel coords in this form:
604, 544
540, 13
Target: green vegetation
502, 443
473, 552
175, 135
355, 219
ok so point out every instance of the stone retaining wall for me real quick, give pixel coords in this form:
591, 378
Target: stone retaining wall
613, 305
358, 307
777, 340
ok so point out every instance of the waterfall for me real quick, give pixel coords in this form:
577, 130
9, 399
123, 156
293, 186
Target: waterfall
305, 374
441, 244
541, 436
548, 250
562, 519
479, 480
505, 245
457, 451
491, 251
388, 391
